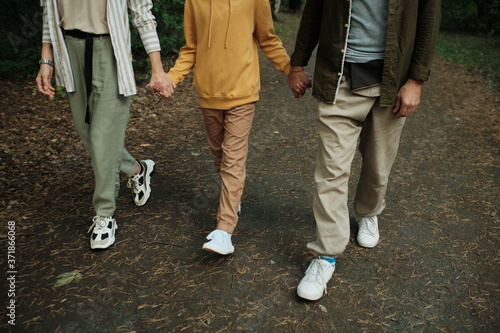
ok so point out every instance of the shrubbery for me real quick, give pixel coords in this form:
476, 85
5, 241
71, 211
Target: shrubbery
21, 34
169, 19
471, 16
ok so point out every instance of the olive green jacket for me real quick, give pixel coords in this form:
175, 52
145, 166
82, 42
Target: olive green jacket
411, 39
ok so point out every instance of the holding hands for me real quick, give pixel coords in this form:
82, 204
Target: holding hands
162, 84
299, 81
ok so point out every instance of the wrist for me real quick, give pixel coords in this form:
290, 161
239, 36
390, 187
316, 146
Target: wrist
157, 71
415, 82
296, 69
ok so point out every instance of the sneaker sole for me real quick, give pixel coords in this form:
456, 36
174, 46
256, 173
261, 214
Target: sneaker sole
217, 249
150, 165
103, 246
368, 245
309, 297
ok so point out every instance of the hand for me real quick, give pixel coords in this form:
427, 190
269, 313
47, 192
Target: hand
408, 98
298, 81
162, 84
43, 80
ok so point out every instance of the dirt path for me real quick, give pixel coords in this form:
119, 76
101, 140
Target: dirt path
435, 269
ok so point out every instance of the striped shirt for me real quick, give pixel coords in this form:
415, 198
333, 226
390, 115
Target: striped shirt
117, 16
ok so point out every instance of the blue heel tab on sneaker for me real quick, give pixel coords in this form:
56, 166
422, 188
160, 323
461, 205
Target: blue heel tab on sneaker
329, 259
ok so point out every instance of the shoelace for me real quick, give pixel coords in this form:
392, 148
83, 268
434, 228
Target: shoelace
317, 269
99, 222
135, 181
369, 226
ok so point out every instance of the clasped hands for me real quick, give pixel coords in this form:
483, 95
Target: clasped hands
299, 81
161, 84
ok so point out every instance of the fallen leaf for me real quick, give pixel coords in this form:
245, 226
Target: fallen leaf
68, 277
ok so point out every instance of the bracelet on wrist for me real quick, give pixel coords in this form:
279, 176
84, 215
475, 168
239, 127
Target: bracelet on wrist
46, 61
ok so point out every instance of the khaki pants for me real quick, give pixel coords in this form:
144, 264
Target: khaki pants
228, 132
104, 137
339, 126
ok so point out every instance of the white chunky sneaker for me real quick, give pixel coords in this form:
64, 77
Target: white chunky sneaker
219, 242
313, 284
103, 234
368, 235
141, 183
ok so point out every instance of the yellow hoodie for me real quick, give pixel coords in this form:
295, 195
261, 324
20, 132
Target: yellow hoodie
221, 40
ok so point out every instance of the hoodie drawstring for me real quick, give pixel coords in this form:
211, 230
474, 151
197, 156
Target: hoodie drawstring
228, 24
210, 24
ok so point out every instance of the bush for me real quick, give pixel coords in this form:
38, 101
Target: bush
21, 31
471, 16
169, 18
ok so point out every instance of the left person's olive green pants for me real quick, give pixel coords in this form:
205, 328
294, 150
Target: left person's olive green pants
104, 137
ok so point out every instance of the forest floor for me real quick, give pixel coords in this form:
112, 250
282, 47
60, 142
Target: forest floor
436, 268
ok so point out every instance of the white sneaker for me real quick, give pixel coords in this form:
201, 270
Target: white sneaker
141, 183
368, 235
313, 284
219, 242
103, 235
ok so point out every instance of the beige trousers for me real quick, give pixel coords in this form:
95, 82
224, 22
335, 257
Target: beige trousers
228, 132
340, 126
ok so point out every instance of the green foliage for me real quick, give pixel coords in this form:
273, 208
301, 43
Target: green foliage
21, 34
472, 16
60, 93
169, 18
23, 63
481, 54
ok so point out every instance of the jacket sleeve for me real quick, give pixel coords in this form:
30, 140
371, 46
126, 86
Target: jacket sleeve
187, 54
45, 23
308, 34
270, 44
144, 21
428, 22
